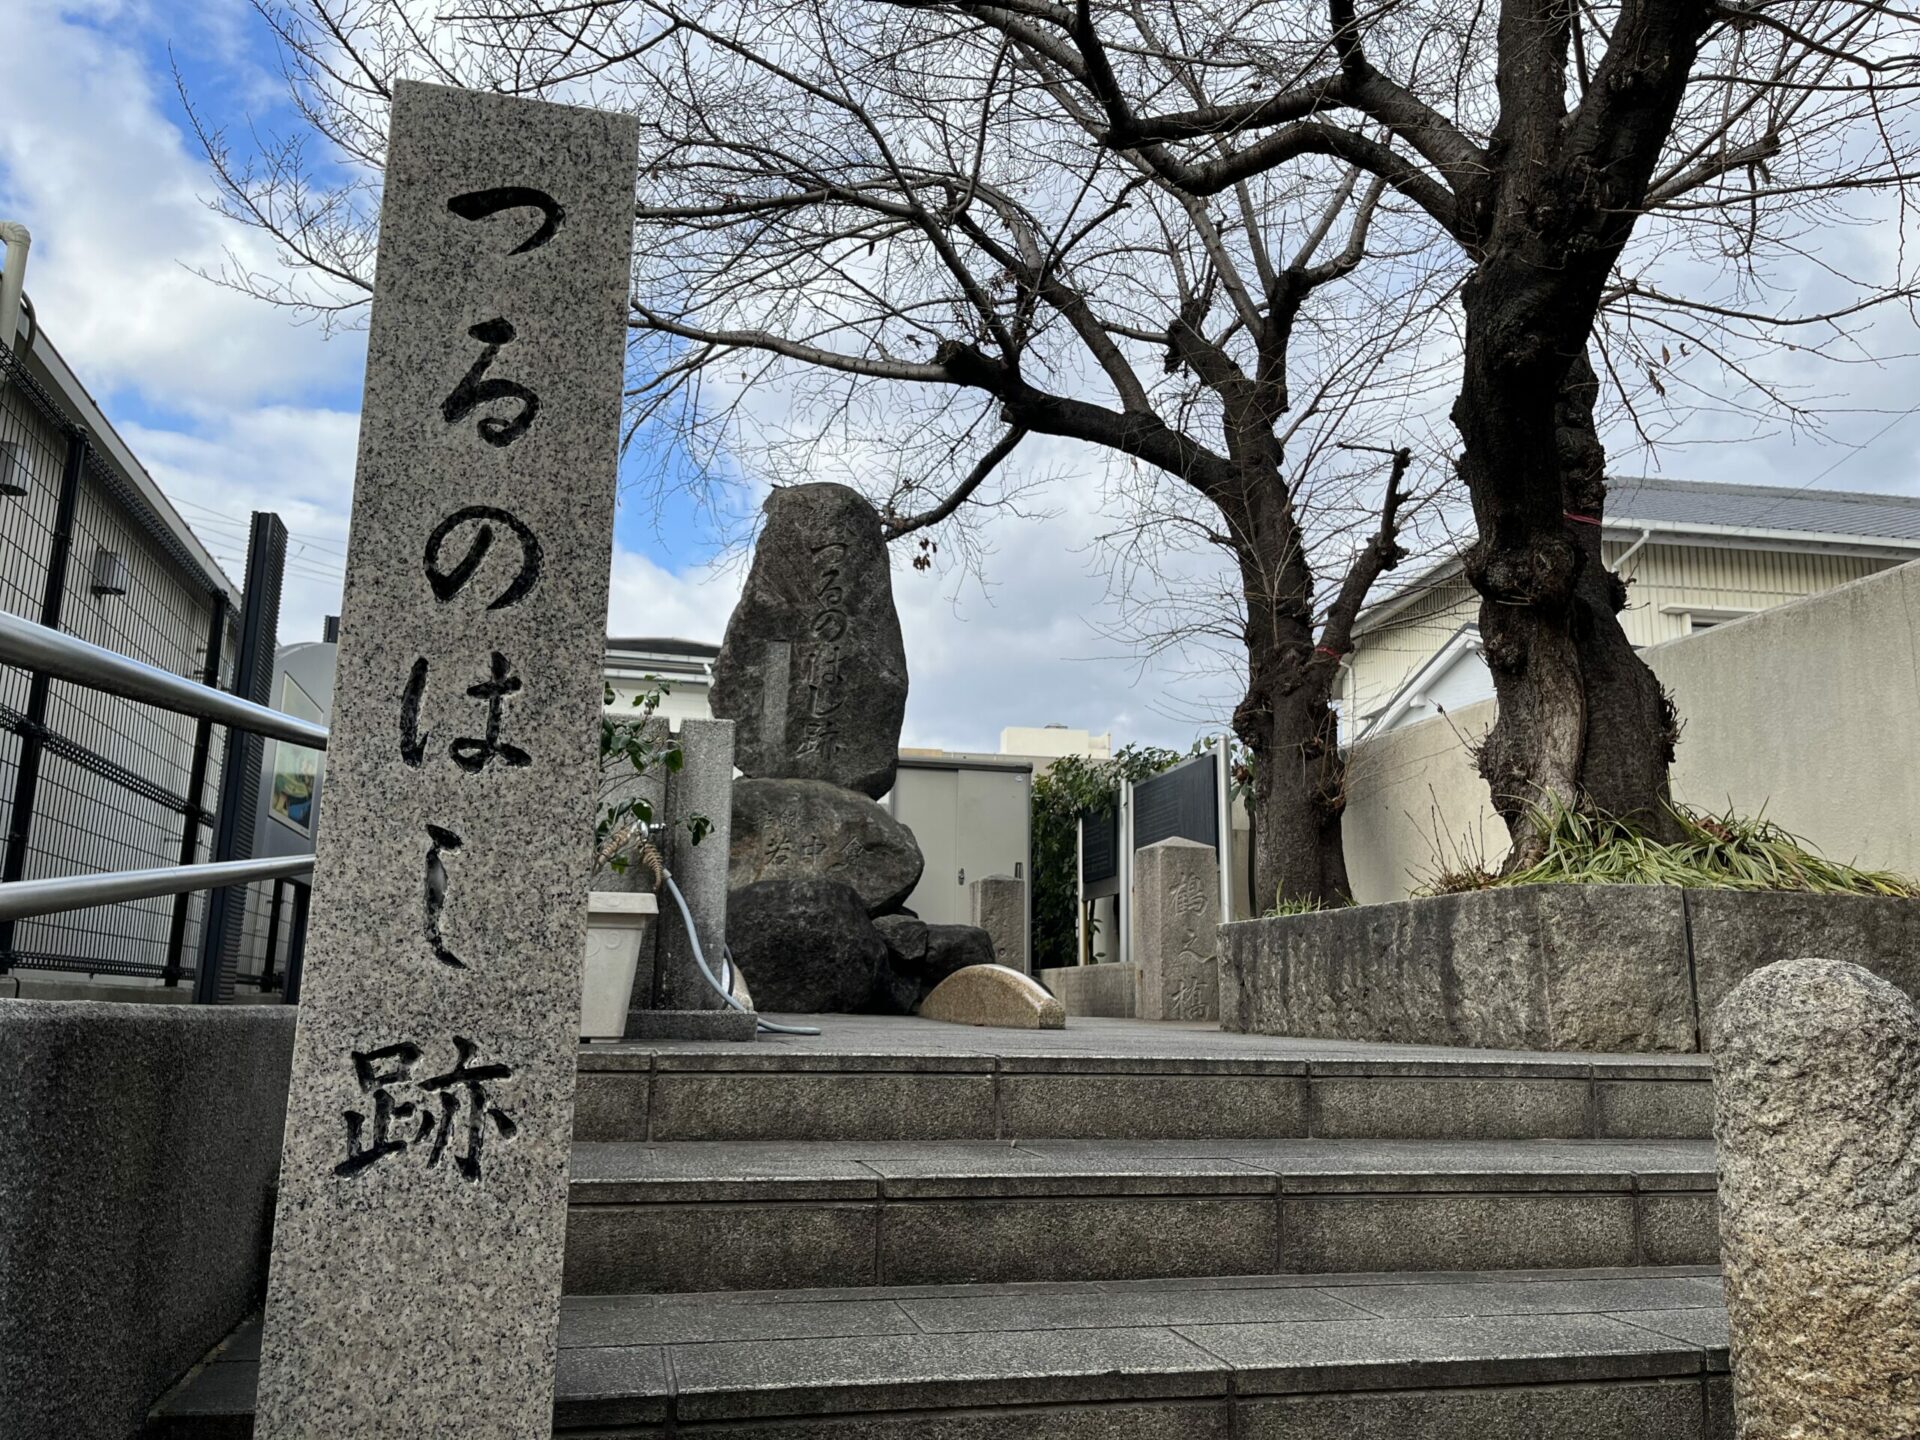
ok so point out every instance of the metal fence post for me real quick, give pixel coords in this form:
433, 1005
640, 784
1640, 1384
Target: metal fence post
196, 789
240, 772
26, 782
267, 976
297, 942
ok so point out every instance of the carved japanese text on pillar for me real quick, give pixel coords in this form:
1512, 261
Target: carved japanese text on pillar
820, 732
382, 1124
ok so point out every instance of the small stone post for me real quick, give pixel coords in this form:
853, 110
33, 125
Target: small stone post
415, 1279
998, 905
1816, 1067
1176, 930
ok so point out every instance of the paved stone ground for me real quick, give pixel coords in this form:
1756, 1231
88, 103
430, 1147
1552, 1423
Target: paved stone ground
631, 1363
1131, 1039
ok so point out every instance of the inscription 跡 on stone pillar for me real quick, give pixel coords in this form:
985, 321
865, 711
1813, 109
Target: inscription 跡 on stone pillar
429, 1118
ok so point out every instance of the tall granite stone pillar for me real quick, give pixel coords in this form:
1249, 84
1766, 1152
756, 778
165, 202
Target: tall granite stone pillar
702, 786
998, 905
1816, 1082
415, 1278
1176, 930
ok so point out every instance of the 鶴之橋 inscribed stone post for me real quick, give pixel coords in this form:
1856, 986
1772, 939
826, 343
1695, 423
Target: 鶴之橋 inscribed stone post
415, 1277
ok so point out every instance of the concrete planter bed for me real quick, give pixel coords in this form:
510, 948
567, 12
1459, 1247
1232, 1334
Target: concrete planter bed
1543, 967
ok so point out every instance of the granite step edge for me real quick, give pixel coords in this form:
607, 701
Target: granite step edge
700, 1172
812, 1376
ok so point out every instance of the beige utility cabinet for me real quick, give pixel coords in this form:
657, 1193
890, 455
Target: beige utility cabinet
970, 815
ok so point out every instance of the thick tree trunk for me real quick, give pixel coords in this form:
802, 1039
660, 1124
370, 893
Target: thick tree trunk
1582, 720
1627, 747
1298, 796
1286, 718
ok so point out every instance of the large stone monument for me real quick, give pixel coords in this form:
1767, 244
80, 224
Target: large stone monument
1176, 930
1816, 1070
814, 676
416, 1266
813, 671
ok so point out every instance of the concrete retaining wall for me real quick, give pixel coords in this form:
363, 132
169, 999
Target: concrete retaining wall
1618, 968
1806, 712
138, 1146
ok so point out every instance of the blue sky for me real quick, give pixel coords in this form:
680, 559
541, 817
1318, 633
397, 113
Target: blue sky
233, 408
225, 58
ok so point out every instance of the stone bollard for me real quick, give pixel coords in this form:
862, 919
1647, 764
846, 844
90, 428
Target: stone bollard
1817, 1117
703, 785
1176, 930
677, 1003
998, 905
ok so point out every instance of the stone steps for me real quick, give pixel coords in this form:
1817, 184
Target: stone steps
694, 1216
901, 1230
1599, 1355
870, 1079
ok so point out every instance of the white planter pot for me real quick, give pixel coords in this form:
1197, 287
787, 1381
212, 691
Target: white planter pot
617, 925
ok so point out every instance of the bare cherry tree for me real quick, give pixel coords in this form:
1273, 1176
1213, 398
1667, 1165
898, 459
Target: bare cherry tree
884, 243
1536, 134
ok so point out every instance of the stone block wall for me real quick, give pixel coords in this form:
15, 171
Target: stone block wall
138, 1148
1635, 968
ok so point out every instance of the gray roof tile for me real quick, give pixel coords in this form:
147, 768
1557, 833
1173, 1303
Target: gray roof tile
1763, 507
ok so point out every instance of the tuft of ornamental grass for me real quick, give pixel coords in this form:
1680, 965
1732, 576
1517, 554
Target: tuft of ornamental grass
1303, 907
1721, 852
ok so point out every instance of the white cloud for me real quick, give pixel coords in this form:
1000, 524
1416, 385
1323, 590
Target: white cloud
294, 461
92, 163
647, 599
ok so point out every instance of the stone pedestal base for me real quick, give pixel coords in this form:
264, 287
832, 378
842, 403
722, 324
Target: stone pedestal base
691, 1024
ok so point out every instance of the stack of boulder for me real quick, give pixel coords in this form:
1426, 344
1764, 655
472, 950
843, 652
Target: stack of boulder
814, 676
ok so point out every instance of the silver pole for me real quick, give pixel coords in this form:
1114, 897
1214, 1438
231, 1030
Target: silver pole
35, 647
25, 898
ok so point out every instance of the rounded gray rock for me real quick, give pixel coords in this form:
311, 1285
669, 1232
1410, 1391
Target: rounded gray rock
906, 937
812, 671
922, 955
809, 947
808, 829
952, 948
1817, 1118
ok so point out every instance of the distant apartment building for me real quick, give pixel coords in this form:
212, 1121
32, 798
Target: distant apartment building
1052, 742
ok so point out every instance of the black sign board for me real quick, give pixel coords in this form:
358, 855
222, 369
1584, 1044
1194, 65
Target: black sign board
1183, 803
1099, 847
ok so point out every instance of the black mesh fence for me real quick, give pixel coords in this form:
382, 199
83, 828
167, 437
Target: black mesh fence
111, 786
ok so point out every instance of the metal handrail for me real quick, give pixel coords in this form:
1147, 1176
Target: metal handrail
35, 647
24, 899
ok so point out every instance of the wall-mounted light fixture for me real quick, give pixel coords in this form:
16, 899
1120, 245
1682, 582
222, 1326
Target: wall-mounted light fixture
14, 479
109, 572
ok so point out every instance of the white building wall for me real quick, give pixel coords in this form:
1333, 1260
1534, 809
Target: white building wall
1808, 713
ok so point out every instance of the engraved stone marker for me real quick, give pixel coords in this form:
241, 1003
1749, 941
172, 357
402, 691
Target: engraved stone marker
415, 1278
1176, 900
997, 904
813, 671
